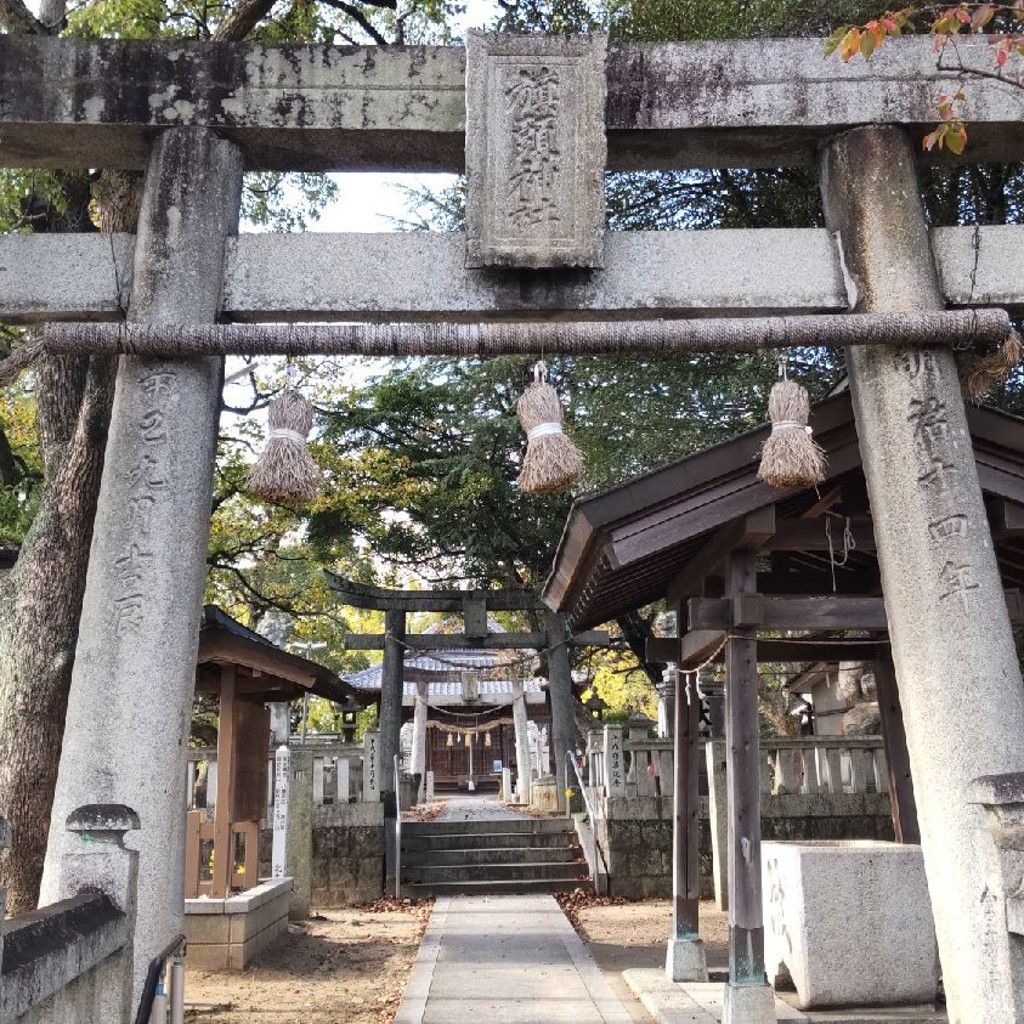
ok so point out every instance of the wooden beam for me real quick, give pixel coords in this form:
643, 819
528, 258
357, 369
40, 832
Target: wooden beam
747, 534
699, 646
810, 613
810, 535
1006, 518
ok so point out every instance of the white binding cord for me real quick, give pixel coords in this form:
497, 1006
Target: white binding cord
791, 425
288, 435
543, 430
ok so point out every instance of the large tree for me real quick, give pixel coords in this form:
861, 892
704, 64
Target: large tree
41, 597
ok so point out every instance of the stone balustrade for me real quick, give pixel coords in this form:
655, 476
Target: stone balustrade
337, 776
807, 766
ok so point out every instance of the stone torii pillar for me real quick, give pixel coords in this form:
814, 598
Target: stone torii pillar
419, 737
131, 692
957, 670
524, 766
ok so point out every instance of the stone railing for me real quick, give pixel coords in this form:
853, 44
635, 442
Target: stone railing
337, 776
72, 961
641, 767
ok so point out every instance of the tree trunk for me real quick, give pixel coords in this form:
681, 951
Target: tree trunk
41, 598
40, 602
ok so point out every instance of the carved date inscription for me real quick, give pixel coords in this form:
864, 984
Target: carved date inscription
149, 479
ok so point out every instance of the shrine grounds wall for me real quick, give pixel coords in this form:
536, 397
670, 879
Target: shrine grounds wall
347, 865
635, 833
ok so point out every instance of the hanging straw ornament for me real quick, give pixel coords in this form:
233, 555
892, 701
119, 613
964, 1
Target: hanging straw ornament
285, 471
790, 457
552, 461
983, 373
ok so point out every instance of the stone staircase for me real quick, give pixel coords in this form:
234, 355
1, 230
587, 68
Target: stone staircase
504, 856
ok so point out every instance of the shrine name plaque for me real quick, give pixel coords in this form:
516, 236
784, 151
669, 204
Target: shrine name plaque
535, 150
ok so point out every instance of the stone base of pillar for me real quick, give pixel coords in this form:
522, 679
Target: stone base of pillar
686, 960
749, 1004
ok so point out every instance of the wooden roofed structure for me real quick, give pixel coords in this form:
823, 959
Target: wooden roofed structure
244, 671
661, 534
758, 574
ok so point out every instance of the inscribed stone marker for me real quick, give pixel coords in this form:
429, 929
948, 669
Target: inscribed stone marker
535, 150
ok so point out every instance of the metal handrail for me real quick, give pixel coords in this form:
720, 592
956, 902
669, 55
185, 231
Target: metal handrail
398, 831
598, 852
156, 968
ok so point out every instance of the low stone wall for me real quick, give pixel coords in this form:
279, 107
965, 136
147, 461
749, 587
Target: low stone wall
66, 962
227, 934
635, 833
348, 854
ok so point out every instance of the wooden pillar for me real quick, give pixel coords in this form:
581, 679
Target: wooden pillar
391, 691
686, 959
748, 998
901, 786
563, 724
223, 854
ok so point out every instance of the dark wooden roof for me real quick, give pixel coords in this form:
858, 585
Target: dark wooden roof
271, 674
625, 547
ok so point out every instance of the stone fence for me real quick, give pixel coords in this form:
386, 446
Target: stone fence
72, 960
337, 776
812, 788
810, 765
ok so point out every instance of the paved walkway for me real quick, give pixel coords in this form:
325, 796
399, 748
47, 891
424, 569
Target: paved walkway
476, 807
506, 960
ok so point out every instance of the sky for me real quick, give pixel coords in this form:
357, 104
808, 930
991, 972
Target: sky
365, 201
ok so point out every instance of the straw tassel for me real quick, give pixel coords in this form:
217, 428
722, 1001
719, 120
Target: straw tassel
552, 461
980, 375
790, 457
285, 471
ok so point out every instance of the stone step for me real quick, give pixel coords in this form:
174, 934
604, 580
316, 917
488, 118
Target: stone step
492, 872
487, 840
490, 887
536, 825
490, 855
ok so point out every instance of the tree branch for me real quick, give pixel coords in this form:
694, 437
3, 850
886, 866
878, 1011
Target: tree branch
359, 18
240, 20
19, 20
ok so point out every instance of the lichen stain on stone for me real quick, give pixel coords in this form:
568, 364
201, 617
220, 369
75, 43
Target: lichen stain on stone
418, 61
369, 63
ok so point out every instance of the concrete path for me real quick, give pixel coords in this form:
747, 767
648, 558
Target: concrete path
476, 807
506, 960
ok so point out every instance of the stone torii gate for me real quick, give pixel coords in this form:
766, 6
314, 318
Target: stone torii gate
554, 639
196, 115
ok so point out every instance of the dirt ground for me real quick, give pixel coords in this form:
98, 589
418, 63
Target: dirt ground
346, 966
624, 935
350, 966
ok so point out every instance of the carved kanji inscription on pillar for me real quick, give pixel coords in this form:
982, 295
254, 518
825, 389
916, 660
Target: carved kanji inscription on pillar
535, 150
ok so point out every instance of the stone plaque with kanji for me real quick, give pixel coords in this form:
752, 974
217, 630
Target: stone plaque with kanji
535, 150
